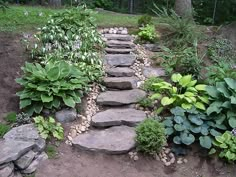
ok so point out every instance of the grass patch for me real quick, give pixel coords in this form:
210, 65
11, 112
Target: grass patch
27, 18
4, 129
51, 151
10, 117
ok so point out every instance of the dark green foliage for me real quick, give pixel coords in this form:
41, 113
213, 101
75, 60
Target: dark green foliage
150, 136
217, 72
148, 84
189, 126
145, 20
3, 6
23, 118
221, 50
182, 31
4, 129
146, 103
184, 61
11, 117
222, 106
226, 146
51, 151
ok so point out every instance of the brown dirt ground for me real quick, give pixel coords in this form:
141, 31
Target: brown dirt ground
75, 163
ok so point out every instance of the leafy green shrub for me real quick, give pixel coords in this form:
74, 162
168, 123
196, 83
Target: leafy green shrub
148, 33
146, 103
3, 6
221, 50
11, 117
184, 61
183, 31
49, 127
51, 151
222, 98
150, 136
23, 118
4, 129
148, 84
183, 91
226, 145
51, 86
189, 126
217, 72
145, 20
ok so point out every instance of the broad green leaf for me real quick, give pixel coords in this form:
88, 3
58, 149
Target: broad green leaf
179, 127
69, 101
24, 103
195, 119
178, 111
46, 98
231, 83
212, 91
177, 140
200, 105
176, 77
156, 96
169, 131
38, 107
212, 151
232, 122
185, 80
192, 83
178, 119
233, 99
205, 141
167, 101
213, 132
204, 99
214, 107
168, 122
200, 87
187, 138
186, 106
53, 74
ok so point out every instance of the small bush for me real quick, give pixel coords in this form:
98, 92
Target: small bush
148, 33
146, 103
4, 129
148, 84
23, 118
11, 117
150, 136
145, 20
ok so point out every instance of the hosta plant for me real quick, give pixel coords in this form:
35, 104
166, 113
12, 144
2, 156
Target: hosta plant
49, 127
51, 86
226, 146
222, 98
150, 136
182, 91
148, 33
189, 126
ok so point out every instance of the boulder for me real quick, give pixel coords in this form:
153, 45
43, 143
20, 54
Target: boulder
116, 117
120, 72
25, 160
66, 115
122, 83
120, 60
153, 72
27, 133
117, 98
7, 170
152, 47
114, 140
13, 149
36, 162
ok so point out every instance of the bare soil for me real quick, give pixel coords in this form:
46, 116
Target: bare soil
11, 59
75, 163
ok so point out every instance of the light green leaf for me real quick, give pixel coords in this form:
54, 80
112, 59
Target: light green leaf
24, 103
200, 105
69, 101
176, 77
205, 141
167, 101
185, 80
54, 73
46, 98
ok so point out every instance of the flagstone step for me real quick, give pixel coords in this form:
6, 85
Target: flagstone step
120, 37
114, 140
120, 72
122, 83
118, 50
118, 98
120, 44
116, 117
120, 60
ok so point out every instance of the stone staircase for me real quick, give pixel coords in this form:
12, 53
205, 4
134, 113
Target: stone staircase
113, 129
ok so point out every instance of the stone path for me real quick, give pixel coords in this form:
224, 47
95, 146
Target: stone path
113, 129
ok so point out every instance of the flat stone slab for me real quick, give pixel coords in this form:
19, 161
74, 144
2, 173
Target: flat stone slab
120, 37
116, 117
120, 59
120, 72
114, 140
122, 83
12, 150
118, 51
117, 98
28, 133
120, 44
153, 72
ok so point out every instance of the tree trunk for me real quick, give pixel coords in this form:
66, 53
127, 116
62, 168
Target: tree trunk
55, 3
131, 6
183, 8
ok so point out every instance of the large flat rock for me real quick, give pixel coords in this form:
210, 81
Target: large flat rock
118, 50
120, 59
117, 98
120, 72
12, 150
115, 117
28, 133
122, 83
119, 37
153, 72
114, 140
120, 44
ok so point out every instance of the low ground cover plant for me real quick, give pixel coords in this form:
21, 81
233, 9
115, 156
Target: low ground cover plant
145, 20
189, 126
148, 34
150, 136
182, 91
223, 102
4, 129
